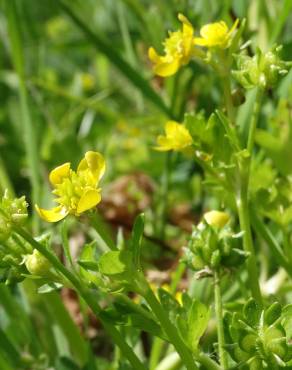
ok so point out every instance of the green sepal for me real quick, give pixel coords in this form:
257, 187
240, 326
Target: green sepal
272, 313
252, 312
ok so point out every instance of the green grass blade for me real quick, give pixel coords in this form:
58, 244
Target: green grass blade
280, 21
4, 364
10, 351
61, 317
124, 67
30, 141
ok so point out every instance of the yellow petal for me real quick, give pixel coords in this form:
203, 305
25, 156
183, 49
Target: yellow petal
59, 173
88, 200
200, 41
214, 30
52, 215
171, 127
163, 144
153, 56
166, 69
216, 218
93, 161
187, 26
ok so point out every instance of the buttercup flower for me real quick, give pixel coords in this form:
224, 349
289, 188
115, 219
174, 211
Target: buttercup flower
177, 137
178, 48
77, 191
216, 35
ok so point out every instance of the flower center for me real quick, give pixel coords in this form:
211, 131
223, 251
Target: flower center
72, 188
173, 45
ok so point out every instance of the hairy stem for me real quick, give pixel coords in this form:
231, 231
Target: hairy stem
219, 319
228, 98
242, 202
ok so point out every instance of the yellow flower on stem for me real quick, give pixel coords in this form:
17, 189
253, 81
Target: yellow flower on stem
216, 35
76, 191
177, 138
178, 48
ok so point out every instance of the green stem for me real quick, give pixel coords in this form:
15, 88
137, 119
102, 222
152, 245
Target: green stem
242, 202
163, 199
226, 83
88, 297
66, 245
254, 120
206, 361
170, 362
219, 318
158, 344
170, 330
156, 353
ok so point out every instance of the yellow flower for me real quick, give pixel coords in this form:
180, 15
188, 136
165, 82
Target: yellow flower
178, 48
216, 218
77, 191
216, 35
177, 137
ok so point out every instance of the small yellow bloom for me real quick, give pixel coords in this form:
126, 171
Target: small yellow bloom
177, 137
216, 218
216, 35
77, 191
178, 48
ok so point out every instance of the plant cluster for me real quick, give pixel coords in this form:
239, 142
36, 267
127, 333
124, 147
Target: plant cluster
251, 207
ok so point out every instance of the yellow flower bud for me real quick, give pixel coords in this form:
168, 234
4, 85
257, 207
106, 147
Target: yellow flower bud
216, 218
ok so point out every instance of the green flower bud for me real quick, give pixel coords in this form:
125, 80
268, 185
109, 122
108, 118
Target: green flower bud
240, 355
198, 262
262, 337
12, 211
213, 245
278, 346
262, 70
248, 343
37, 264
